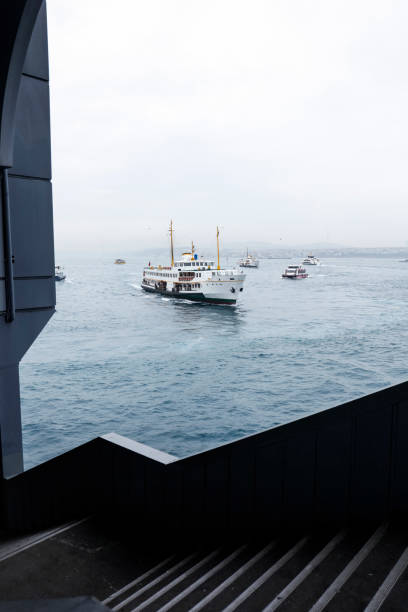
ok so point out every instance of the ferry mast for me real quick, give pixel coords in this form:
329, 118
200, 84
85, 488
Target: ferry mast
171, 243
218, 248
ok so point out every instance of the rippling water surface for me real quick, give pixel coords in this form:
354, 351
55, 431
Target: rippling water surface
183, 376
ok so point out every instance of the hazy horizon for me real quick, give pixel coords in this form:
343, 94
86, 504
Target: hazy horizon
282, 123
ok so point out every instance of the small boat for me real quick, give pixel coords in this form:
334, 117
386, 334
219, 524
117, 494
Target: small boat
248, 262
59, 273
194, 278
295, 272
119, 261
311, 260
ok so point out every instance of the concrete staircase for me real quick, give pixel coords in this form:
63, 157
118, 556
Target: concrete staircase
344, 571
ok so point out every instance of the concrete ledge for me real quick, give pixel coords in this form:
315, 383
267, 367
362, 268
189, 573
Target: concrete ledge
140, 449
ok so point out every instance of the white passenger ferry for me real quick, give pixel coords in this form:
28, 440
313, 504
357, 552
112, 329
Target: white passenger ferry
248, 262
311, 260
194, 278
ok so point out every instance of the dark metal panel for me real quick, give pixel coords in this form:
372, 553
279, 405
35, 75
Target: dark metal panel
12, 507
32, 227
2, 267
7, 248
17, 21
35, 293
128, 491
136, 473
15, 339
216, 492
120, 489
36, 62
64, 487
269, 483
11, 441
32, 148
2, 296
400, 463
193, 494
333, 470
154, 491
242, 486
300, 475
372, 460
173, 498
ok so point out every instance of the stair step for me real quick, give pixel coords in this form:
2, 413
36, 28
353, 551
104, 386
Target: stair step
205, 597
361, 587
348, 571
255, 566
303, 575
323, 575
249, 598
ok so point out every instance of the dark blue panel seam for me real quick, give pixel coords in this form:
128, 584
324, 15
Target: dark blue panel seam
50, 276
39, 308
8, 247
31, 178
37, 78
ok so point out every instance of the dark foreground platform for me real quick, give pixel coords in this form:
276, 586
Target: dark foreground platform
71, 604
342, 571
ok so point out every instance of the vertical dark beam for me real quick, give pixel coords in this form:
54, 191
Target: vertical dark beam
26, 229
8, 248
11, 441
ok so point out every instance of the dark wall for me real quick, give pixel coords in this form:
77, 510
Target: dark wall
342, 465
27, 287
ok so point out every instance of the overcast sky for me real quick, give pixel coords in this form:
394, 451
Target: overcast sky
283, 121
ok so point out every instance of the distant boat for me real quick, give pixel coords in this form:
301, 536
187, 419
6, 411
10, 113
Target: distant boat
295, 273
120, 261
248, 262
311, 260
59, 273
403, 260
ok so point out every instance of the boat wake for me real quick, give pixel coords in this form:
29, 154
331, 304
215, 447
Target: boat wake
135, 286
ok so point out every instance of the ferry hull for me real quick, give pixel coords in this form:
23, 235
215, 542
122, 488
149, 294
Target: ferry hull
298, 277
193, 296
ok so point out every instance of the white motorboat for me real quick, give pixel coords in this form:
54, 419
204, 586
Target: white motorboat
295, 273
59, 273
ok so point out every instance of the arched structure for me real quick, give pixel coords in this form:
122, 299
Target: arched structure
27, 289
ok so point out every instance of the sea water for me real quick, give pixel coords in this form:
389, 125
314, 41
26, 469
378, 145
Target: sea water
183, 377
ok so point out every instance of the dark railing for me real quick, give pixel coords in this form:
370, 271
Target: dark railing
342, 465
8, 248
